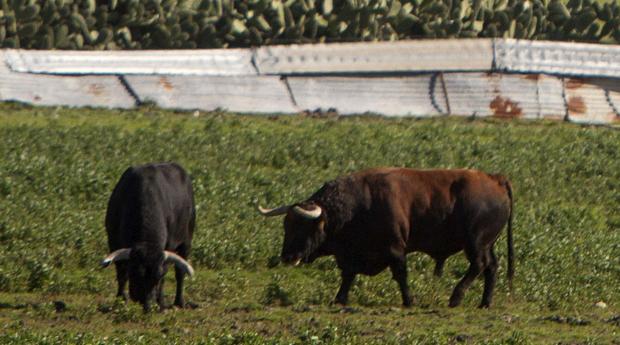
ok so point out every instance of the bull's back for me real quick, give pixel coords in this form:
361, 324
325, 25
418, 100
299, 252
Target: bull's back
151, 202
436, 208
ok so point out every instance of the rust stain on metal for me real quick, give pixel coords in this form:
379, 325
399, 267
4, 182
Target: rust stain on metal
166, 84
96, 89
504, 107
573, 83
577, 105
534, 77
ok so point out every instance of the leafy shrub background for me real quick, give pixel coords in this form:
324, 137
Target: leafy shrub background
183, 24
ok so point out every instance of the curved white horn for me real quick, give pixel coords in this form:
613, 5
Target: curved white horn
269, 212
179, 262
314, 213
117, 255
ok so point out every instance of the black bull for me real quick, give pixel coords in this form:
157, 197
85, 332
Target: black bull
371, 219
150, 222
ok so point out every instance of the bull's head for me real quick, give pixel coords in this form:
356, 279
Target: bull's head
304, 231
146, 269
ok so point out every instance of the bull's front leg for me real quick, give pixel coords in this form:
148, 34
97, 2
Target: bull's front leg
160, 296
121, 278
342, 297
179, 300
179, 274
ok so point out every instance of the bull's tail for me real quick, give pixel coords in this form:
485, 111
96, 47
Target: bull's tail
511, 267
503, 181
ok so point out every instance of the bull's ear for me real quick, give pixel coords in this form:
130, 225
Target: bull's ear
178, 262
117, 255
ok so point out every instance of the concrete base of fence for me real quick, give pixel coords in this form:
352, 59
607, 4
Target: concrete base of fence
526, 96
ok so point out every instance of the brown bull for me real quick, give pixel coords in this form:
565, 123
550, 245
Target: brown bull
371, 219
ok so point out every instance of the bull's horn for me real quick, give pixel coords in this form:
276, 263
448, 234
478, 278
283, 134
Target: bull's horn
268, 212
314, 213
178, 262
115, 256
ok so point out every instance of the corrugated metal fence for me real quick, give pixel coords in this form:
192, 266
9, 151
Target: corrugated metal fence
475, 77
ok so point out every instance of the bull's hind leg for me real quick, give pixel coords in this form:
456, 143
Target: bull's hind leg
121, 278
490, 277
399, 273
476, 265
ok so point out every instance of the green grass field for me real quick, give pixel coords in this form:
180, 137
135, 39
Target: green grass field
58, 167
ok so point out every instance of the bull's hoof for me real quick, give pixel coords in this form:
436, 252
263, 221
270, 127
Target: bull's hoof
191, 305
349, 310
455, 299
163, 307
484, 305
186, 305
454, 303
339, 303
409, 301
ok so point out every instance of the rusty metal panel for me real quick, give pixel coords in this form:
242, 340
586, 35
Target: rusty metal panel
251, 94
129, 62
391, 96
366, 57
593, 101
86, 91
504, 95
563, 58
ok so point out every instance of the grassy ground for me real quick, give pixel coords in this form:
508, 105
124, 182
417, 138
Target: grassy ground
58, 167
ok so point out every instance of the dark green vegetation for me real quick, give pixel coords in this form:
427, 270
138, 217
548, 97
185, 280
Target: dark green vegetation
58, 167
130, 24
